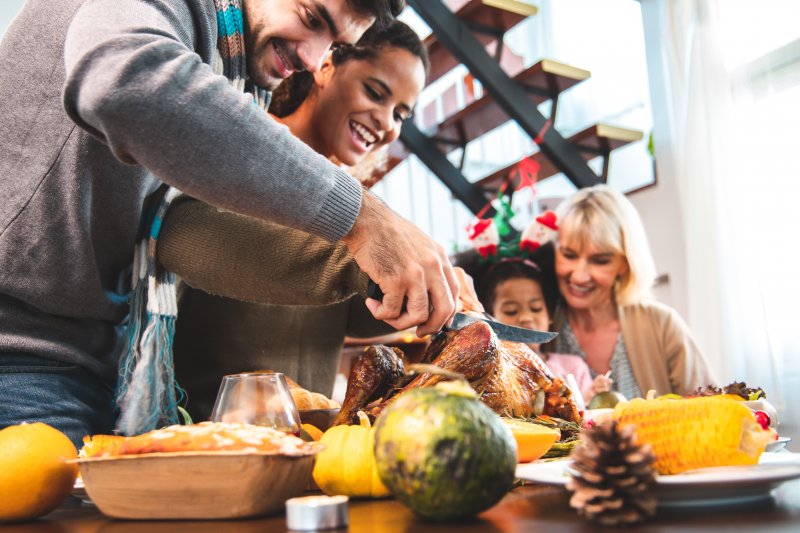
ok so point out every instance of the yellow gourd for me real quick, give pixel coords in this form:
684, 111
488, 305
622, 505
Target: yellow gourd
347, 464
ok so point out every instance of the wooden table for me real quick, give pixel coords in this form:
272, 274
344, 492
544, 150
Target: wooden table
530, 508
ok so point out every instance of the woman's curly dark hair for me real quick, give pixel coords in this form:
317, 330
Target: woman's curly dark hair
292, 92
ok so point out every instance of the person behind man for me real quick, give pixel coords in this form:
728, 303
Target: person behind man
354, 105
103, 102
606, 313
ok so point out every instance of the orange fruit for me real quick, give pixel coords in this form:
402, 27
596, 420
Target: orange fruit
34, 474
533, 440
313, 431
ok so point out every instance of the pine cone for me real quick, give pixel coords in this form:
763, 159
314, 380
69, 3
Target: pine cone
613, 474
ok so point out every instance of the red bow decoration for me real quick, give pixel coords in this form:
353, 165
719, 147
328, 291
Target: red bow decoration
528, 172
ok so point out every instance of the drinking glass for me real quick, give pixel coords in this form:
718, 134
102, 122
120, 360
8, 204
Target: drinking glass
258, 398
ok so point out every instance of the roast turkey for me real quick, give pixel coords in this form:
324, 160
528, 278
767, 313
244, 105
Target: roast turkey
508, 376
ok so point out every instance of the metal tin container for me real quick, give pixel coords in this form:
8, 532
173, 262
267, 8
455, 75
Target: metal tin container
312, 513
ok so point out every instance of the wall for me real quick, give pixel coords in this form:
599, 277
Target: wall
658, 207
659, 204
8, 11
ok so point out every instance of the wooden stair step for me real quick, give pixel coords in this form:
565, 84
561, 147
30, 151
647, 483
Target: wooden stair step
484, 114
595, 140
547, 79
499, 15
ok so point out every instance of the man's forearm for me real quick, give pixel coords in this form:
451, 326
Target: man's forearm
247, 259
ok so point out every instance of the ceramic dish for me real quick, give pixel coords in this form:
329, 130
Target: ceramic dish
764, 405
194, 485
777, 445
708, 486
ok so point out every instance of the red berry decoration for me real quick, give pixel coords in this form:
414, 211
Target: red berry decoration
763, 419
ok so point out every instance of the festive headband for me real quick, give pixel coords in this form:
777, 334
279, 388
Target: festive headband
493, 238
486, 238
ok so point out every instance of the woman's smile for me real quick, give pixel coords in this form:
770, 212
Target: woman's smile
362, 136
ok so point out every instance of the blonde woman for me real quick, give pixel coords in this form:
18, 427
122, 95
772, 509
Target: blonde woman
606, 313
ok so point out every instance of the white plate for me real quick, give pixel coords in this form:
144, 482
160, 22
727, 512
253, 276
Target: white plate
708, 486
778, 444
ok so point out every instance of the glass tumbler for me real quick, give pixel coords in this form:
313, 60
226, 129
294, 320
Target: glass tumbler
258, 398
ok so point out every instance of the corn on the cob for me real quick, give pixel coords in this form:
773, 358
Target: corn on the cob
695, 432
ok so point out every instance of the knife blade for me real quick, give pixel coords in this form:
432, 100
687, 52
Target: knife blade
503, 331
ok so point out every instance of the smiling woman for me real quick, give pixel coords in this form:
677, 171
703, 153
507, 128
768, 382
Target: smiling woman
606, 315
355, 104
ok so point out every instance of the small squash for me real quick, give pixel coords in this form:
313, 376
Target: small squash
444, 453
347, 464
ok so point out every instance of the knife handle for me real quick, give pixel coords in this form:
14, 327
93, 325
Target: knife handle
374, 291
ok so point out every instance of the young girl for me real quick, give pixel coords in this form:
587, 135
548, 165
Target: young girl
513, 292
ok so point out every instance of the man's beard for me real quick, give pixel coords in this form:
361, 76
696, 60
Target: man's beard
261, 76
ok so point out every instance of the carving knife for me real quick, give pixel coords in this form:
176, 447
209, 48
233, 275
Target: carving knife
503, 331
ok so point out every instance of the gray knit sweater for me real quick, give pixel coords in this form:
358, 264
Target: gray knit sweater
101, 102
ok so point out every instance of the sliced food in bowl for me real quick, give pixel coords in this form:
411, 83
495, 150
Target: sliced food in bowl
202, 471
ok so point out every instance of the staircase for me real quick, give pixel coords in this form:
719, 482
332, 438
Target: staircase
470, 32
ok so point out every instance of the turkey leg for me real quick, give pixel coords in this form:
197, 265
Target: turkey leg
372, 377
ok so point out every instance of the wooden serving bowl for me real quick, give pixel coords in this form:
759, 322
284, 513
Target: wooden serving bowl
194, 485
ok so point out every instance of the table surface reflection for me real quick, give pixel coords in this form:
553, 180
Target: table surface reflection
526, 508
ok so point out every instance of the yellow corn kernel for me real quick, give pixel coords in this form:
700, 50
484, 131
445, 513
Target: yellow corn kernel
695, 432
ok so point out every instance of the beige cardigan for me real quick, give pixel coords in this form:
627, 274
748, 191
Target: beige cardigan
662, 352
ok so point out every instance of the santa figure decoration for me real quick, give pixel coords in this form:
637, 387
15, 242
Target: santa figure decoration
540, 231
483, 235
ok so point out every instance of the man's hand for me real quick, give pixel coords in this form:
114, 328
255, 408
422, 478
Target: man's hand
409, 267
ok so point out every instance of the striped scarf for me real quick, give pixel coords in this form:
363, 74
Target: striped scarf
147, 393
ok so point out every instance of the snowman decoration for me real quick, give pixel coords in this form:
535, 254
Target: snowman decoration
540, 231
484, 236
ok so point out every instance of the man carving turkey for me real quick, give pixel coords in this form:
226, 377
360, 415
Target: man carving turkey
104, 101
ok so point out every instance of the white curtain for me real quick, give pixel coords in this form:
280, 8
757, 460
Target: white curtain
726, 125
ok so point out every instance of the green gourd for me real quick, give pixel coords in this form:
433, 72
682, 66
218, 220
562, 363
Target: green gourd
443, 453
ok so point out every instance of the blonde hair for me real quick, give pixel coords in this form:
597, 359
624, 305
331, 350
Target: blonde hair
606, 219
